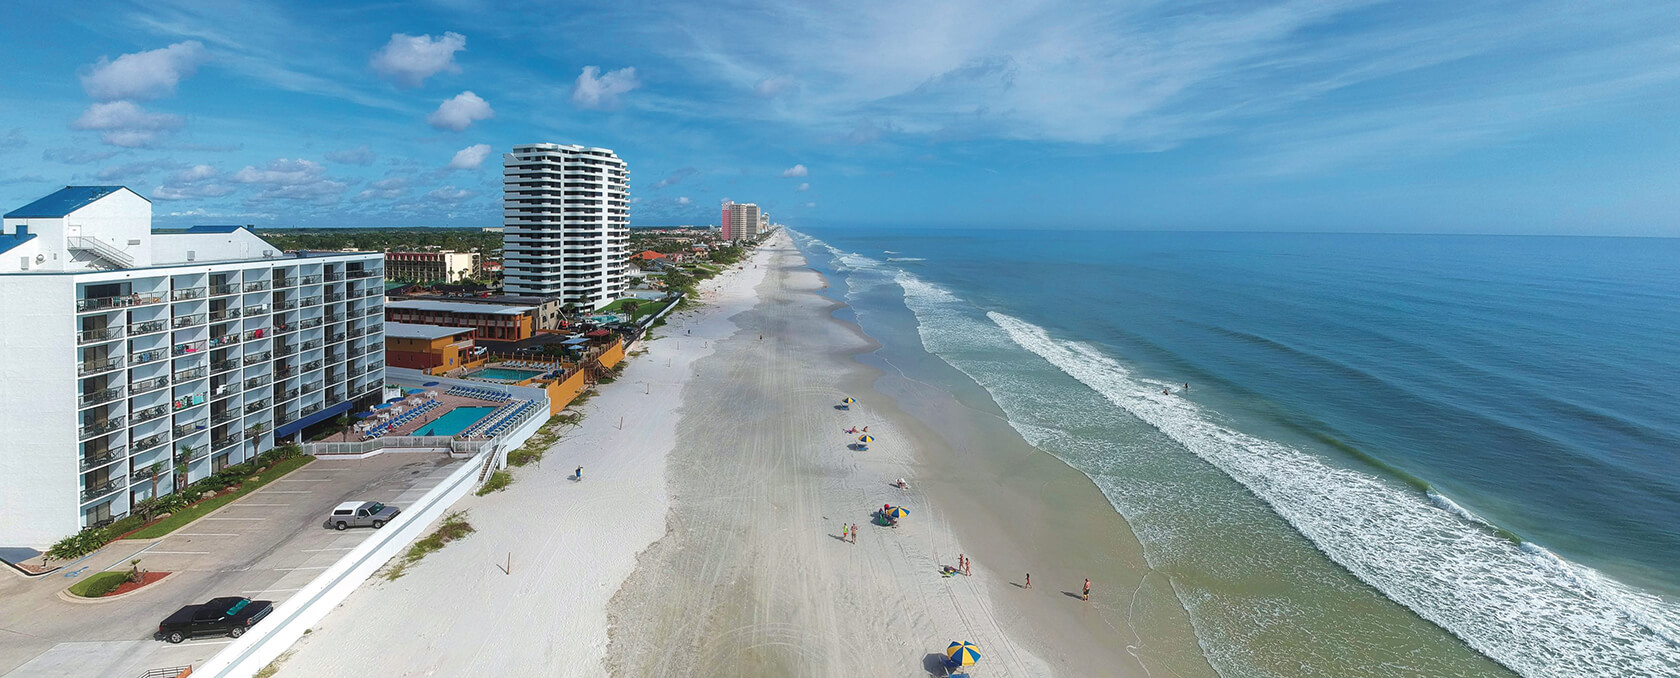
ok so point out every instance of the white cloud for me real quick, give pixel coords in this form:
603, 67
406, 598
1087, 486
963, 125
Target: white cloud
460, 112
75, 156
360, 155
594, 90
675, 177
193, 182
796, 171
13, 139
449, 194
810, 204
470, 157
805, 186
385, 189
142, 75
289, 179
772, 86
408, 60
124, 123
683, 200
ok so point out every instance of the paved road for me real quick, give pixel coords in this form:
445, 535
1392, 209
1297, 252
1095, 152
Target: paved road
267, 545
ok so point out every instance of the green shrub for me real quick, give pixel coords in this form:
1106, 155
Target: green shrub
99, 584
497, 482
455, 526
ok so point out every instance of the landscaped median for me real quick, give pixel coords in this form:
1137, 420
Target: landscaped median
181, 518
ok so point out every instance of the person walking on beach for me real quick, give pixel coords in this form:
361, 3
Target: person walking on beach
854, 533
580, 473
845, 532
1029, 581
1087, 594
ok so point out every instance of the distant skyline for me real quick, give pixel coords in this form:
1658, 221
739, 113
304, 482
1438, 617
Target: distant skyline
1499, 117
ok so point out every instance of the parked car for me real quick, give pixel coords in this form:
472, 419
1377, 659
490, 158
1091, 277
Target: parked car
230, 616
360, 514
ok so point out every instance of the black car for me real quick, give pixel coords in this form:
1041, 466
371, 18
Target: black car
221, 616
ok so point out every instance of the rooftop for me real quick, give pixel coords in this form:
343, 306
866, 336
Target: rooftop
62, 202
419, 331
458, 307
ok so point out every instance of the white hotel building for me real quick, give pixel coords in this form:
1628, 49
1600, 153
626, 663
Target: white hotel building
129, 355
566, 217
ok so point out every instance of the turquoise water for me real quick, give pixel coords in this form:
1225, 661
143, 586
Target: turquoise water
453, 421
505, 374
1398, 452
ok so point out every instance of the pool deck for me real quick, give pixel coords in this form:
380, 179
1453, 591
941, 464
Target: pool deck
448, 403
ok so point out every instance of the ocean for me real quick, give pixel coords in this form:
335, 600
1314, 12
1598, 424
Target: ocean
1397, 454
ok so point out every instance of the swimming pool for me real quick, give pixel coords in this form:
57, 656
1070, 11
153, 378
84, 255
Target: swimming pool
504, 374
453, 421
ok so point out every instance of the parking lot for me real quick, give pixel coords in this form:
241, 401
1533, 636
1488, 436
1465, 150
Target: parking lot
266, 546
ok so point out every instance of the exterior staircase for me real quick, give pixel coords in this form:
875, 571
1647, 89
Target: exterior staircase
104, 250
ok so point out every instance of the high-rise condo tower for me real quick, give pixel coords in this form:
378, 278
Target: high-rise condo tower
566, 212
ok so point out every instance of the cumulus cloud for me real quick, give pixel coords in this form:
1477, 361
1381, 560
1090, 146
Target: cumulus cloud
772, 86
460, 112
142, 75
594, 90
796, 171
675, 177
75, 156
470, 157
407, 60
683, 200
449, 194
360, 155
385, 189
197, 181
289, 179
803, 186
13, 139
126, 124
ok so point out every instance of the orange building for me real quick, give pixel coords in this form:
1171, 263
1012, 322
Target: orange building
494, 322
647, 255
424, 347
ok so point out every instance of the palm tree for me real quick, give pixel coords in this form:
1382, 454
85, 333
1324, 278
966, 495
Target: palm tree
181, 467
254, 433
157, 468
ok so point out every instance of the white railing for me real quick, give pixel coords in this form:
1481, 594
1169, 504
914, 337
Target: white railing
101, 248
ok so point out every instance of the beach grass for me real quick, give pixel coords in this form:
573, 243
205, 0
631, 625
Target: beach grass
497, 482
187, 515
455, 526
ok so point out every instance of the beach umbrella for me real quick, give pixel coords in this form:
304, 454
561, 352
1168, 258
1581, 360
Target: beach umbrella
848, 400
866, 439
430, 384
962, 653
897, 512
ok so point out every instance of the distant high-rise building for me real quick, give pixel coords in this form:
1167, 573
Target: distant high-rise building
740, 221
566, 214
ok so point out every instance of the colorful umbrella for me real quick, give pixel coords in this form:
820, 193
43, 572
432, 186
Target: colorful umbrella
897, 512
848, 400
962, 653
866, 439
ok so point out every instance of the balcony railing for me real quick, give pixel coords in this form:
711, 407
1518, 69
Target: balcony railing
148, 414
283, 396
191, 454
224, 365
228, 441
188, 320
224, 340
355, 332
102, 457
256, 309
257, 358
311, 388
183, 295
309, 323
97, 491
285, 305
145, 385
335, 338
224, 314
101, 428
310, 279
90, 336
357, 352
354, 372
223, 418
312, 301
285, 418
285, 350
285, 282
147, 327
219, 290
191, 374
119, 301
258, 333
255, 382
187, 348
186, 402
333, 277
150, 442
257, 406
257, 286
332, 297
310, 345
313, 365
144, 357
282, 328
191, 427
312, 409
284, 372
97, 366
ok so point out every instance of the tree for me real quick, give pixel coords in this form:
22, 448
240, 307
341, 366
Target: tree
255, 434
156, 469
630, 307
181, 467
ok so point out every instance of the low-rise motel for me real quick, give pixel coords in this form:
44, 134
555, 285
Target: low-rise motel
138, 354
429, 347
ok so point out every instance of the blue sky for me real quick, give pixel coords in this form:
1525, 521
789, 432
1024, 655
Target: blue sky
1489, 117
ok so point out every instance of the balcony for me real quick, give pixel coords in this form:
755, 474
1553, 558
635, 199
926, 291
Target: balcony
147, 327
145, 385
285, 282
283, 328
148, 414
309, 323
335, 338
310, 345
224, 314
97, 491
257, 406
219, 444
92, 336
310, 388
255, 382
283, 396
224, 340
119, 301
150, 442
310, 280
191, 427
101, 458
254, 430
257, 358
331, 297
184, 295
333, 277
223, 418
284, 372
257, 286
312, 409
285, 305
355, 332
313, 365
285, 418
220, 290
190, 374
356, 352
186, 402
256, 309
335, 317
259, 333
188, 320
101, 428
192, 453
312, 301
97, 366
224, 365
284, 351
144, 357
187, 348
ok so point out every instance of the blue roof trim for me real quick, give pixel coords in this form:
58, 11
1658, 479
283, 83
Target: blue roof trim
62, 202
214, 229
317, 417
7, 242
